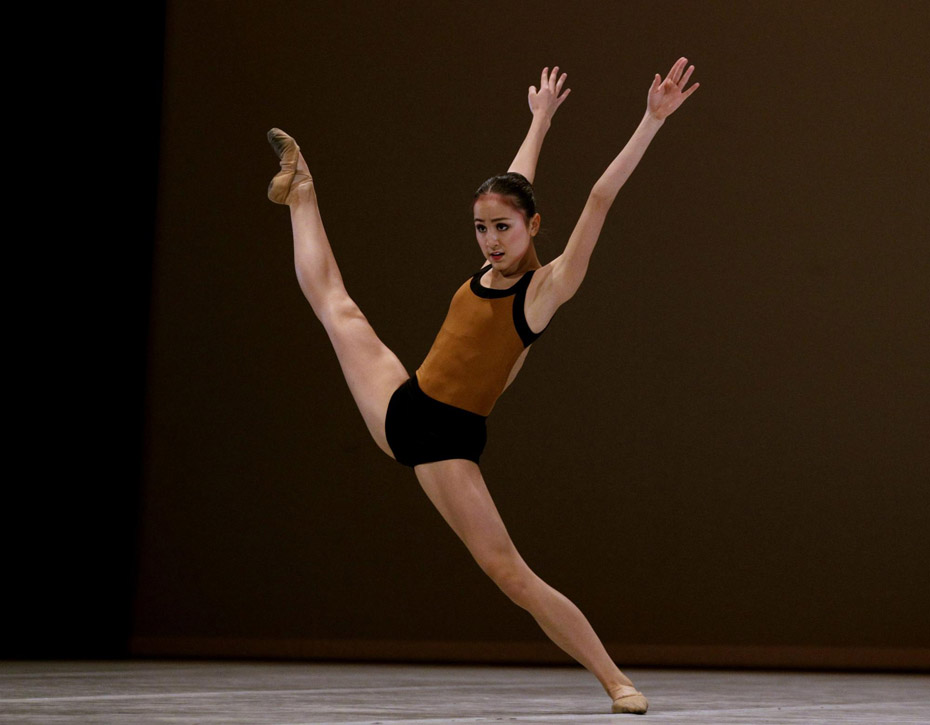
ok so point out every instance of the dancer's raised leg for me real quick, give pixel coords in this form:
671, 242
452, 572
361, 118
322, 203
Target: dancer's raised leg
459, 492
372, 371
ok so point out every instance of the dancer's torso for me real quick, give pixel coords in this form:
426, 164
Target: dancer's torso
484, 334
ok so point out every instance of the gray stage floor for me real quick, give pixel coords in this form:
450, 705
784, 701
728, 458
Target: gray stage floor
291, 693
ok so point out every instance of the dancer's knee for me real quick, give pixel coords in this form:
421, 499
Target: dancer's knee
339, 310
512, 576
320, 286
335, 309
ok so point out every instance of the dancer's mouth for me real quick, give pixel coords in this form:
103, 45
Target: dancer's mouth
496, 255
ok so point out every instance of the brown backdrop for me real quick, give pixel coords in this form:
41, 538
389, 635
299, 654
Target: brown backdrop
718, 450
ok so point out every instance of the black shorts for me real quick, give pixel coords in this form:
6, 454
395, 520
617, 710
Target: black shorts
421, 429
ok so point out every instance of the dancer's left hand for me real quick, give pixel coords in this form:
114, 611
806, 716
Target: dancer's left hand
665, 96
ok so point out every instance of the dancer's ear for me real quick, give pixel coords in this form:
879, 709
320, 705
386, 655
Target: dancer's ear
534, 224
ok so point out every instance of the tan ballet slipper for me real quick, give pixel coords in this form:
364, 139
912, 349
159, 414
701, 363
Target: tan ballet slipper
631, 704
284, 185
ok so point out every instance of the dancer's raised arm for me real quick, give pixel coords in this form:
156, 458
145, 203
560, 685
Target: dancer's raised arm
543, 104
568, 270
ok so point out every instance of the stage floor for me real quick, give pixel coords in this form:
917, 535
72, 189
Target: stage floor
140, 692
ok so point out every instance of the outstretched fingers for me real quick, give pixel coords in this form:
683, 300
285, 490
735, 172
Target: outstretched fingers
684, 80
667, 95
556, 82
679, 77
558, 88
691, 90
674, 75
552, 80
551, 93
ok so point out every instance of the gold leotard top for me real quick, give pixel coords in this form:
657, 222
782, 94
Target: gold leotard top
483, 336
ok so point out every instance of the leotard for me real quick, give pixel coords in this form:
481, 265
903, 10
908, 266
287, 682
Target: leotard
440, 413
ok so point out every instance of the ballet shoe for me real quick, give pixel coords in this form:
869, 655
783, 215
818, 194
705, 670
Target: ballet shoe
631, 704
283, 187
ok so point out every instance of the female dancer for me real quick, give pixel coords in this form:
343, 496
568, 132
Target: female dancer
434, 421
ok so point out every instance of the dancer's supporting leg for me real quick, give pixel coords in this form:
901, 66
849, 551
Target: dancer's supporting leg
372, 371
459, 492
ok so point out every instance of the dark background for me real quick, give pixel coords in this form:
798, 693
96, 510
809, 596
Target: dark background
720, 443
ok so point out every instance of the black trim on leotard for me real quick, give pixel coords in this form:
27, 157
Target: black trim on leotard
519, 312
519, 303
490, 293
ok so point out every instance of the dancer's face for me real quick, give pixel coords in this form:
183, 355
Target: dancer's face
503, 232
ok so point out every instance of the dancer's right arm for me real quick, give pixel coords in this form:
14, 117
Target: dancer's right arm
543, 104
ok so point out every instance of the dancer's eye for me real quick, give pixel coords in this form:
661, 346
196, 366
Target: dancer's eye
503, 227
481, 228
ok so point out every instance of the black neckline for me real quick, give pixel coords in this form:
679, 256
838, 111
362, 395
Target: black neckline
490, 293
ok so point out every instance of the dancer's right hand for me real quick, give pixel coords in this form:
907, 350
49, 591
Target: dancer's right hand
549, 97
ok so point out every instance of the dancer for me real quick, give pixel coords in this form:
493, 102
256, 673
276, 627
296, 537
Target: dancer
434, 421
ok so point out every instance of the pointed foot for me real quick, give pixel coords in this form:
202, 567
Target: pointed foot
285, 185
631, 704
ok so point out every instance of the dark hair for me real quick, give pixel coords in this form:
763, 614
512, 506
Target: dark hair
514, 186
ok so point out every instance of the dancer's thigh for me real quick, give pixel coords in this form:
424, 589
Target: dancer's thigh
371, 370
459, 492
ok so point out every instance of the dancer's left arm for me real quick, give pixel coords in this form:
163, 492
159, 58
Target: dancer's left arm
543, 104
568, 270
